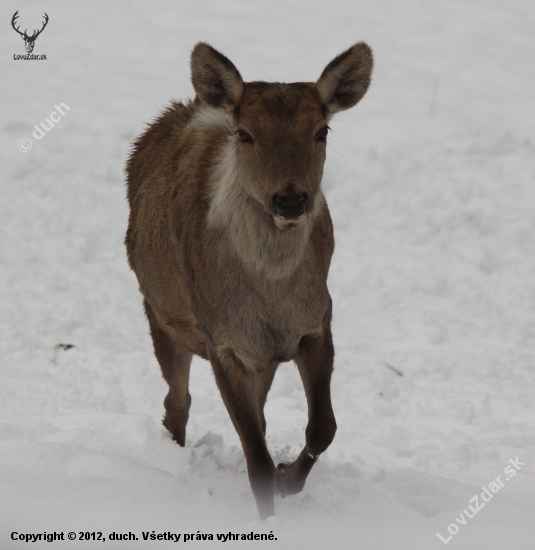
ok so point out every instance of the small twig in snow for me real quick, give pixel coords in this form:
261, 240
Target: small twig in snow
393, 369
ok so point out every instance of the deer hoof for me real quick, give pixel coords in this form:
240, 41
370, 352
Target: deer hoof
288, 482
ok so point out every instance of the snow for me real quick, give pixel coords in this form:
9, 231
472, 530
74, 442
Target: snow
430, 182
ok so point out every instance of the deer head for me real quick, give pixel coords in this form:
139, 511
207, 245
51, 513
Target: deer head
29, 41
280, 130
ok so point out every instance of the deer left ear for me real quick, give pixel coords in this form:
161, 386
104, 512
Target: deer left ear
215, 78
346, 78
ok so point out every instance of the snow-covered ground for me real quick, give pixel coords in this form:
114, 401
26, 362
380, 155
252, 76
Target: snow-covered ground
431, 185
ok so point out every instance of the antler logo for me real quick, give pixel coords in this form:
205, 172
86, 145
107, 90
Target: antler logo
29, 41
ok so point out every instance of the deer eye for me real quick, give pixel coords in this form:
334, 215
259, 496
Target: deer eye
244, 136
321, 135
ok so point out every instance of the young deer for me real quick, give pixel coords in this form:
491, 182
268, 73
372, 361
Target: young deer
231, 240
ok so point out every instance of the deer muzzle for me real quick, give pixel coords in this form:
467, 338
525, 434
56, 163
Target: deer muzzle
290, 206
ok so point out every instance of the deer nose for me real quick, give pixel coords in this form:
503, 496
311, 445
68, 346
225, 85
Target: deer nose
290, 207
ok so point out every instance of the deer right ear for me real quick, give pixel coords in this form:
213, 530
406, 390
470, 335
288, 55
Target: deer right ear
346, 78
215, 78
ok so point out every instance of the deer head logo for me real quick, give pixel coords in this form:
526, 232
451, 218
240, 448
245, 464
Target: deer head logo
29, 41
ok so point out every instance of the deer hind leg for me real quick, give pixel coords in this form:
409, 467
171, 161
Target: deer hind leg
315, 363
238, 389
175, 363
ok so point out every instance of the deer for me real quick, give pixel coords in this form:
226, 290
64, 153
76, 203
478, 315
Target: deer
230, 237
29, 41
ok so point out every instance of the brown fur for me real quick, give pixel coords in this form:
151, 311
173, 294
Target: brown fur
226, 275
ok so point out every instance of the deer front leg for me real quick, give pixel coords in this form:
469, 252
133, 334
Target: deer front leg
263, 385
175, 363
237, 387
315, 363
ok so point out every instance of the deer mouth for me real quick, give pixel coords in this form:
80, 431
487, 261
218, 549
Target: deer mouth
283, 223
